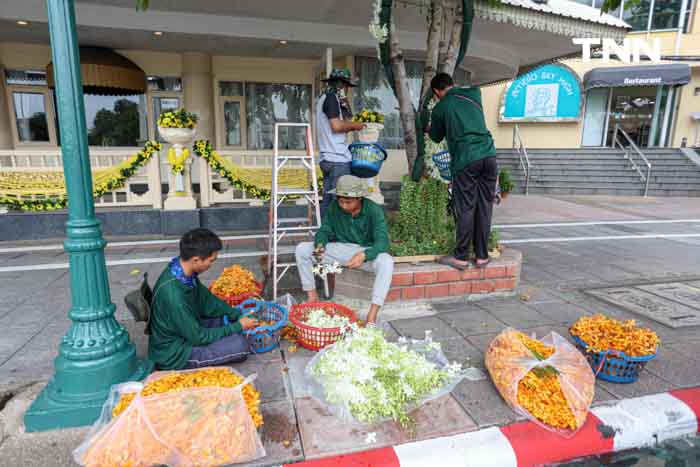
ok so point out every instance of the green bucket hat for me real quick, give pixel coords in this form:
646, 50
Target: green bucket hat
342, 74
350, 186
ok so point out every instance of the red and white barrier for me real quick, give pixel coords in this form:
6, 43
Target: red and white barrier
626, 424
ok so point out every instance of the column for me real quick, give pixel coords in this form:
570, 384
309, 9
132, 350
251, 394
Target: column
96, 352
198, 98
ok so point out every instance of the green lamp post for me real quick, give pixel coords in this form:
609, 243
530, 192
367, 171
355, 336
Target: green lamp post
96, 352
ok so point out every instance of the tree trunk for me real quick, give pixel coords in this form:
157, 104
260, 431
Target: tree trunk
406, 110
450, 60
434, 35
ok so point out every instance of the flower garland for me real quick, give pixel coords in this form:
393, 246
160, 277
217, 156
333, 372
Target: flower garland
255, 182
177, 163
17, 191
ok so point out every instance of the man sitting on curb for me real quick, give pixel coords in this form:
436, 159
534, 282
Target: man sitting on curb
353, 233
191, 327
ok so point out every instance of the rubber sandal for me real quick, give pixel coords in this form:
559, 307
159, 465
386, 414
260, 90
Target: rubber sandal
482, 264
452, 261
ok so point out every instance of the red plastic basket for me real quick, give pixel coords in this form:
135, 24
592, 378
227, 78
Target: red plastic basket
314, 338
235, 300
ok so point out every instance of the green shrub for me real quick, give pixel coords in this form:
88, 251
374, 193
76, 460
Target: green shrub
506, 181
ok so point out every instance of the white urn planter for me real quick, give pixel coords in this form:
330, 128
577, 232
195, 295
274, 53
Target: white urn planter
370, 134
180, 185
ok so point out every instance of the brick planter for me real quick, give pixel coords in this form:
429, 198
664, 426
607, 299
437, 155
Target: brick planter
431, 280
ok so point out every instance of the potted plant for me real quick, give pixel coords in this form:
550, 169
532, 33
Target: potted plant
374, 124
177, 127
505, 182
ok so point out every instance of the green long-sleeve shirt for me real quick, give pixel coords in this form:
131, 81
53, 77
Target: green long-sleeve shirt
175, 315
367, 229
463, 124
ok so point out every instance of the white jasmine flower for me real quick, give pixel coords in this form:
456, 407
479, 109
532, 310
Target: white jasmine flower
371, 438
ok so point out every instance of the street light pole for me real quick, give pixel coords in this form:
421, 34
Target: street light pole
96, 352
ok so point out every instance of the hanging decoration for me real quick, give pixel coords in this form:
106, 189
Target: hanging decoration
46, 190
255, 182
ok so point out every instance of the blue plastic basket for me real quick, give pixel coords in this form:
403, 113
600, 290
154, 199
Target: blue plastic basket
264, 338
367, 159
612, 365
442, 161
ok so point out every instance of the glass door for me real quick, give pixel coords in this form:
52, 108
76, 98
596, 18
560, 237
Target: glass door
595, 117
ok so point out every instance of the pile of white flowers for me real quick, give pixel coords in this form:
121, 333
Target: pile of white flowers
375, 380
323, 269
319, 318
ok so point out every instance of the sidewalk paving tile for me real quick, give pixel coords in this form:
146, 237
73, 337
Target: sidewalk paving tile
45, 449
461, 351
473, 322
296, 365
481, 341
560, 312
671, 365
324, 434
483, 403
416, 327
647, 383
279, 434
520, 316
270, 380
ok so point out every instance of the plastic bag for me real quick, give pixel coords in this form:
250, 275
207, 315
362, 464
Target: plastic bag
348, 408
547, 381
202, 426
286, 300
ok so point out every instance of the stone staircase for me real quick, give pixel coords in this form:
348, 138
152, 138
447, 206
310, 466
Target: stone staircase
603, 171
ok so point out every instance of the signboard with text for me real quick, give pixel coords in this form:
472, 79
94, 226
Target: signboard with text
551, 93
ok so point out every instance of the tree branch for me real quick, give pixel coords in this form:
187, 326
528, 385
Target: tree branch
406, 110
450, 61
434, 35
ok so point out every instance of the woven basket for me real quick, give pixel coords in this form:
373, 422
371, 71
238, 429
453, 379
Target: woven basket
235, 300
613, 365
264, 338
442, 161
367, 159
314, 338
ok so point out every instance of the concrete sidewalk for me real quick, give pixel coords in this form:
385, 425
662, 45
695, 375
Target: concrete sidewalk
560, 282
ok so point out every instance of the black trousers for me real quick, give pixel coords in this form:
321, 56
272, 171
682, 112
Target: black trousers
473, 192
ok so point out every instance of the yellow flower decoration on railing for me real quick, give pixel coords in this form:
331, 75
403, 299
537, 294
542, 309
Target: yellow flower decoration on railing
255, 182
46, 190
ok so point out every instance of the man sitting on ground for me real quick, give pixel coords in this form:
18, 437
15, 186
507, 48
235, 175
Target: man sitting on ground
353, 233
191, 327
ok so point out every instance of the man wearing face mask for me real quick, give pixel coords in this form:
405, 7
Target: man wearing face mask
334, 121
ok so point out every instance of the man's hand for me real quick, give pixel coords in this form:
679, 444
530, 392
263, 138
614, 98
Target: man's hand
356, 261
248, 323
319, 251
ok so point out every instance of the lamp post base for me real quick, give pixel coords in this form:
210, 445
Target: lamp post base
53, 410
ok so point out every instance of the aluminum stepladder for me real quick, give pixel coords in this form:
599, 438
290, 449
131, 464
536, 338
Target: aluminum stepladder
279, 227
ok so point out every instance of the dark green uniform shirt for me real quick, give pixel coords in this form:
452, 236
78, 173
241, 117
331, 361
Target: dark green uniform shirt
462, 123
175, 315
367, 229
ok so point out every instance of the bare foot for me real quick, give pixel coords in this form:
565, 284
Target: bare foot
312, 296
372, 315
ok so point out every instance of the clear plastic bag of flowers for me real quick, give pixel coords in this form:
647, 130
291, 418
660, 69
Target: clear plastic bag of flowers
195, 426
365, 378
548, 381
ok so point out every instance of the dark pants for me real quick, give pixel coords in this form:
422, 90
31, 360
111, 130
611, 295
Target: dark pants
230, 349
473, 192
332, 171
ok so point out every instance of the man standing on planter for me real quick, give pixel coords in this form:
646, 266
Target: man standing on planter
459, 117
334, 121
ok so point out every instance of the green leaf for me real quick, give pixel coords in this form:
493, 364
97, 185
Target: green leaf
141, 5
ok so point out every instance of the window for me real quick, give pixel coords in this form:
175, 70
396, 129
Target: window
232, 118
116, 120
164, 83
267, 104
161, 105
30, 115
374, 93
655, 15
25, 77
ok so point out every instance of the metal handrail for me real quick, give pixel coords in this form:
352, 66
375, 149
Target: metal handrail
525, 164
616, 141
